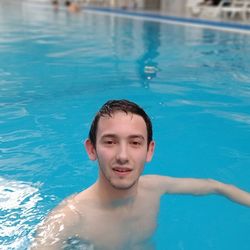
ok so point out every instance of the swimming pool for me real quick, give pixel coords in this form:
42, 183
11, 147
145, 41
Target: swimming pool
57, 69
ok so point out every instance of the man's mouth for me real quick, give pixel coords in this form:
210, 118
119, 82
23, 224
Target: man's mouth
122, 170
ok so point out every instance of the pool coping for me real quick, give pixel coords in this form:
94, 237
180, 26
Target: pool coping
160, 17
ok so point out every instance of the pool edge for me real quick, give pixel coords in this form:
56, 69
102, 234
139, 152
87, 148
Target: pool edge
188, 21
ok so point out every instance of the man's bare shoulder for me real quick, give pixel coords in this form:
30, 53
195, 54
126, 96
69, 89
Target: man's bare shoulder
56, 227
155, 183
70, 211
64, 214
154, 179
64, 221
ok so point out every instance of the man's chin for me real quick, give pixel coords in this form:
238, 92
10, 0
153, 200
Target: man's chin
123, 186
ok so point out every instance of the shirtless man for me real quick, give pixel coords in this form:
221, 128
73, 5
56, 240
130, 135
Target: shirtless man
72, 6
119, 211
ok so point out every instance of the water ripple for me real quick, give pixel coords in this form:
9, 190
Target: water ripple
233, 116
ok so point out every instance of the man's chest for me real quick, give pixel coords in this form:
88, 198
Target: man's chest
118, 229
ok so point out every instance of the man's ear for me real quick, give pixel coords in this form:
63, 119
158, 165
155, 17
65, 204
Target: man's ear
90, 150
150, 153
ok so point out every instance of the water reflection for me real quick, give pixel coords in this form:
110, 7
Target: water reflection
147, 63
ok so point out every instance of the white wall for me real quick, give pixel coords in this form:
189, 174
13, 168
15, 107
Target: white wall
119, 3
174, 7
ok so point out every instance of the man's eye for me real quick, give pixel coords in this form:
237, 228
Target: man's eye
136, 143
109, 142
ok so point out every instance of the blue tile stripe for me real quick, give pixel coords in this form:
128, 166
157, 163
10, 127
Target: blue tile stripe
181, 20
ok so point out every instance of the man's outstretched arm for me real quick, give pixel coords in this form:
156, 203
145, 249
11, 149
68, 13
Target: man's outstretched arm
192, 186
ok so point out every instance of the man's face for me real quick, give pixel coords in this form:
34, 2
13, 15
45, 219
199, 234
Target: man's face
121, 149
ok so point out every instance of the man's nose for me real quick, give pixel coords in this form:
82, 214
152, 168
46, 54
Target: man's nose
122, 154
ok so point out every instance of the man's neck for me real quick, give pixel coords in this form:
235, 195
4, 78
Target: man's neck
113, 197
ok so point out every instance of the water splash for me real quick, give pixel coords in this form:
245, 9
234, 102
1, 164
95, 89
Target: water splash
18, 212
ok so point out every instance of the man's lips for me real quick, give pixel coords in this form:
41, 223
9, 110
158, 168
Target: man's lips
122, 170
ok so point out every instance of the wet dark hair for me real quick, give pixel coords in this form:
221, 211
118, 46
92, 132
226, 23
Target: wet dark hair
67, 3
112, 106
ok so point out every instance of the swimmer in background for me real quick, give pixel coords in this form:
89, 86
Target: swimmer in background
55, 4
119, 211
72, 6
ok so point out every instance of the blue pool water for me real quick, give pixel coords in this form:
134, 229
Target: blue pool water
56, 69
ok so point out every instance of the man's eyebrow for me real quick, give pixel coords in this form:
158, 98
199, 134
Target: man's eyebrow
109, 135
135, 136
